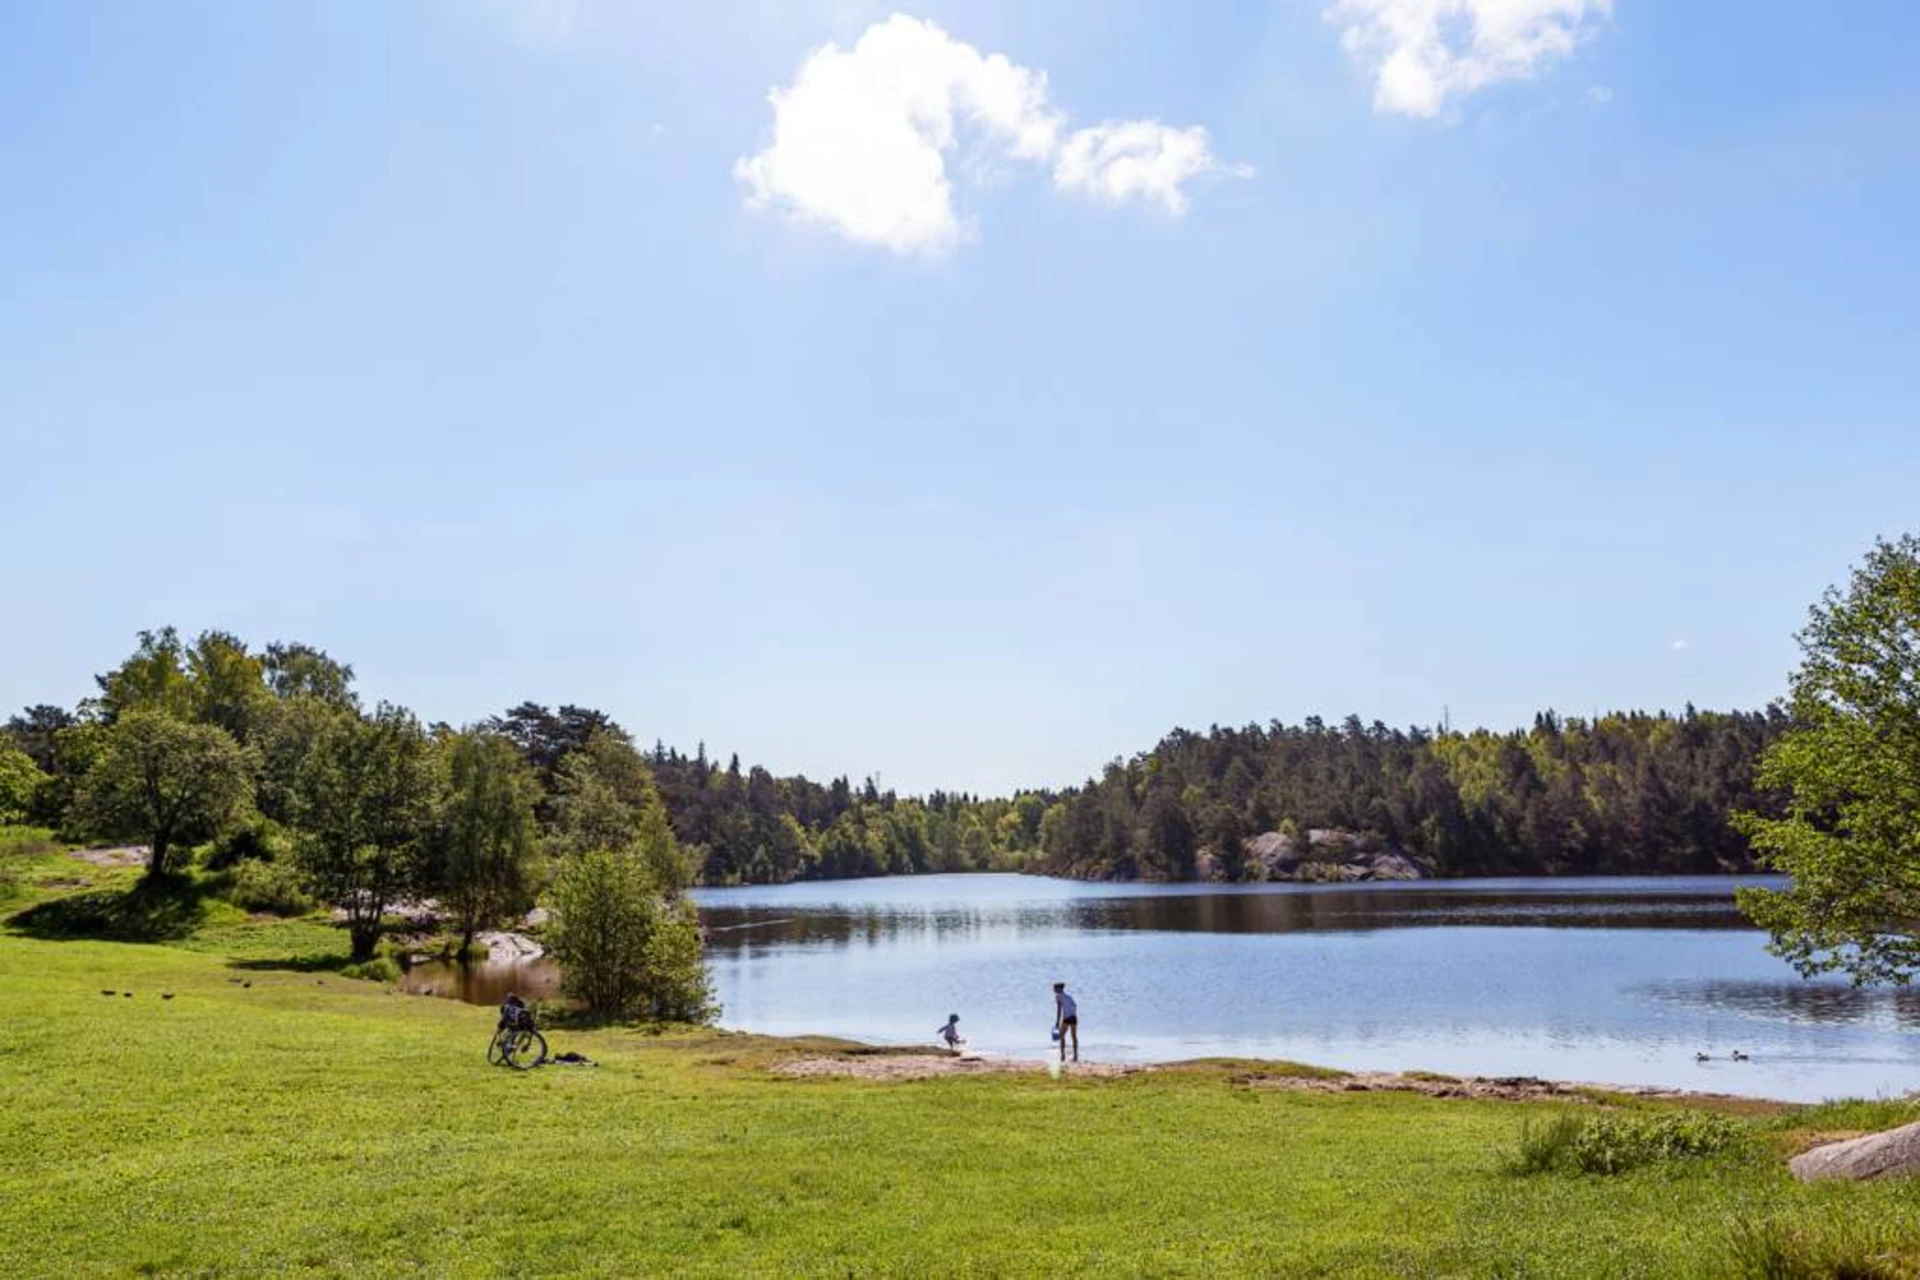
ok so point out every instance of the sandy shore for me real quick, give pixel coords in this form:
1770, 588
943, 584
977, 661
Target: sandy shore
898, 1065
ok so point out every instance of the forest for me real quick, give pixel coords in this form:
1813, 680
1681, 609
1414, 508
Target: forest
1623, 794
1629, 793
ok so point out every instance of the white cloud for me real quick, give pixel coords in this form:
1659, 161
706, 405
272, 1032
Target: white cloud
1119, 160
1422, 52
861, 137
1681, 645
1599, 96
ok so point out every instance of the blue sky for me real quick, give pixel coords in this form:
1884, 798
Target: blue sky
1492, 367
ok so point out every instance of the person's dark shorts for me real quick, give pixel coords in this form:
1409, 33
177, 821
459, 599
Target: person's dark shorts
1070, 1022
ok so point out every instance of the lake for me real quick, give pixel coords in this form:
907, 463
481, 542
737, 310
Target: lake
1611, 980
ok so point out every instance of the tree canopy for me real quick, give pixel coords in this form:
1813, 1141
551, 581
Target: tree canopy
365, 806
1620, 794
1850, 766
166, 781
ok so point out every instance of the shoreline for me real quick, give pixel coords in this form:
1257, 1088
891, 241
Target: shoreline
895, 1064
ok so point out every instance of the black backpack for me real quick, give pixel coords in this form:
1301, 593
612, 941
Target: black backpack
514, 1014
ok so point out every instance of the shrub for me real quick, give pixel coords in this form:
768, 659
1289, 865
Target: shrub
1610, 1142
1545, 1147
378, 969
623, 952
276, 888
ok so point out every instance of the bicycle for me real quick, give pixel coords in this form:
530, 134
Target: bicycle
516, 1042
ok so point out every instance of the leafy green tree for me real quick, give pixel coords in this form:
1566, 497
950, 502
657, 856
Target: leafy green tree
20, 782
1850, 837
605, 798
165, 781
215, 680
287, 731
623, 950
34, 730
366, 808
301, 671
486, 834
678, 987
599, 791
667, 862
227, 684
154, 678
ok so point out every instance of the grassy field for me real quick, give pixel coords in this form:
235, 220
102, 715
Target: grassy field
310, 1123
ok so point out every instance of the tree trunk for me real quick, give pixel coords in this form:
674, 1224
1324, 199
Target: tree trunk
366, 936
157, 856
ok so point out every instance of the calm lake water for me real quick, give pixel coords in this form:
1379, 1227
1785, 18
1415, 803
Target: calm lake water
1611, 980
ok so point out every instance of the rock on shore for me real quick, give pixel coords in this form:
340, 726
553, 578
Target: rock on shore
1895, 1153
1323, 856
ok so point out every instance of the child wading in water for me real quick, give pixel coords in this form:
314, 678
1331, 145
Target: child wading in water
1066, 1020
951, 1032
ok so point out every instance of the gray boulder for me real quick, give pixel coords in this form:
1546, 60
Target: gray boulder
1395, 866
1273, 852
1892, 1154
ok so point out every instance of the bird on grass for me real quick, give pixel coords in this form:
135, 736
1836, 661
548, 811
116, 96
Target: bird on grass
109, 993
247, 983
127, 994
166, 995
1741, 1057
1702, 1057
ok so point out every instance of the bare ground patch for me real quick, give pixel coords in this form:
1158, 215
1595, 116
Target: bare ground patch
925, 1066
125, 855
1501, 1088
872, 1063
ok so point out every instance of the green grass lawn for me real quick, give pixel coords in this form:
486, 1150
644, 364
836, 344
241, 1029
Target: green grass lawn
311, 1123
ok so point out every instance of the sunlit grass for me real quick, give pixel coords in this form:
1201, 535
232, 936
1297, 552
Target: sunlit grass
274, 1116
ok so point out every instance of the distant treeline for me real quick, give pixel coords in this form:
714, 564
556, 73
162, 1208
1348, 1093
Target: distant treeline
1626, 794
746, 826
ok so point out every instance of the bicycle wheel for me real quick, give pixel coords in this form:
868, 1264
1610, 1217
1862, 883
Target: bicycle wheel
526, 1050
497, 1048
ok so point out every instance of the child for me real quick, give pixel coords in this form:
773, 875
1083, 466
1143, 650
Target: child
951, 1032
1066, 1021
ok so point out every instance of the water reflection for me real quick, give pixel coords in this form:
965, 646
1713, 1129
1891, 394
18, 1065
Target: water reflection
1806, 1003
753, 929
487, 983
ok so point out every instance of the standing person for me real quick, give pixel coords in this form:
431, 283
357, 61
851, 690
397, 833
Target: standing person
951, 1032
1066, 1020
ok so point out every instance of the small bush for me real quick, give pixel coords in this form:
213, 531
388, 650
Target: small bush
1610, 1142
378, 969
275, 888
1821, 1249
1545, 1147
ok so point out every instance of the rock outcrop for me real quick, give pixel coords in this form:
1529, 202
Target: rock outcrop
1892, 1154
1329, 856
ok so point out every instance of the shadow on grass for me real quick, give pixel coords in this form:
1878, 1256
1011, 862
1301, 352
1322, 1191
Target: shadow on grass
318, 962
163, 910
